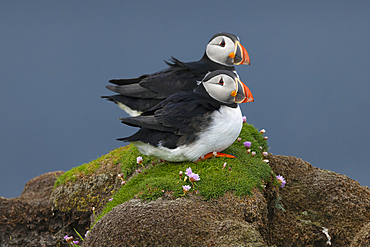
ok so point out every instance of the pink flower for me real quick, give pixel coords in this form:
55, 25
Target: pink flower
247, 144
110, 199
68, 239
244, 119
139, 160
75, 242
262, 131
194, 177
264, 154
265, 138
188, 171
186, 188
253, 153
239, 139
281, 180
224, 165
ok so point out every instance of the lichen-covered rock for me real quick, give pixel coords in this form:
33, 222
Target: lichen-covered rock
291, 216
228, 221
362, 238
312, 199
88, 190
28, 220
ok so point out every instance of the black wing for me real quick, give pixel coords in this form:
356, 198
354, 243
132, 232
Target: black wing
179, 77
173, 122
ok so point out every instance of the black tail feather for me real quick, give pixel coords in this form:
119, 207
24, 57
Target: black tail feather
127, 81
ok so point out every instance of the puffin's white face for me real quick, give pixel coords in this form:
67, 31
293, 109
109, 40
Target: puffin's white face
226, 88
218, 50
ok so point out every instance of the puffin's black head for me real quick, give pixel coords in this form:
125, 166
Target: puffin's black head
225, 49
225, 86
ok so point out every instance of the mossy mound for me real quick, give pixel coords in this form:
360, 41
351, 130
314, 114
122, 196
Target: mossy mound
159, 179
156, 178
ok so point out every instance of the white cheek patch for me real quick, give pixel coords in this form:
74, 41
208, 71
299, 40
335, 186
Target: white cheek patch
219, 54
219, 93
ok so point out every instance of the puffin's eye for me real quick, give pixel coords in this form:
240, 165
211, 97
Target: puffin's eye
223, 43
221, 82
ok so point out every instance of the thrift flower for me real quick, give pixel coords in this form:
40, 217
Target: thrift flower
266, 160
194, 177
253, 153
186, 188
239, 139
229, 168
123, 182
244, 119
265, 138
248, 151
281, 180
188, 171
247, 144
264, 154
262, 131
68, 239
180, 174
139, 160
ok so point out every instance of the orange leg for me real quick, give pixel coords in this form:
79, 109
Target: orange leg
216, 154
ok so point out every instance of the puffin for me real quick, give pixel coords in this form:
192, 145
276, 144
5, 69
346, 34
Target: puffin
193, 125
137, 95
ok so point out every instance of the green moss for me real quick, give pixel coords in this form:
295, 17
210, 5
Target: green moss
245, 173
124, 156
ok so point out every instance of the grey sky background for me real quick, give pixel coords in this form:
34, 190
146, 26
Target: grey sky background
309, 76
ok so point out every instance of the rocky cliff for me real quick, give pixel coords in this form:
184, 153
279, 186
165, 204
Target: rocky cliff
316, 207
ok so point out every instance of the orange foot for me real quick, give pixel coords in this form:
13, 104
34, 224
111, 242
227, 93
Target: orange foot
216, 154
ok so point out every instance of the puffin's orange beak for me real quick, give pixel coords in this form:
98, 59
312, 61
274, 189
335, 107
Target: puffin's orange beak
240, 55
244, 94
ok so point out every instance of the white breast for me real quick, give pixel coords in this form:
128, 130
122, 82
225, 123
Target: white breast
222, 132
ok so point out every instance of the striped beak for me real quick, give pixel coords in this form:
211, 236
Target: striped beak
240, 55
244, 94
